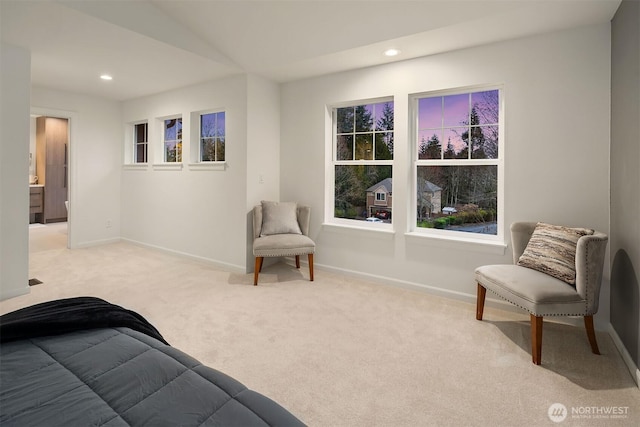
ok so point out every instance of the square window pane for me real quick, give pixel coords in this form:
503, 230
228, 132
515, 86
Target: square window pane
170, 152
456, 110
344, 149
455, 146
170, 130
141, 153
220, 149
484, 142
485, 107
384, 146
458, 198
141, 132
207, 125
384, 116
430, 113
208, 150
430, 146
364, 118
354, 189
364, 147
344, 120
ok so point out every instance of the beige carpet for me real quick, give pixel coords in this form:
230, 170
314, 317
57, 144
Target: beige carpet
345, 352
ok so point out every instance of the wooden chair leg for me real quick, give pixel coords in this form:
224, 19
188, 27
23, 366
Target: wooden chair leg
536, 338
256, 270
482, 293
297, 261
311, 267
591, 334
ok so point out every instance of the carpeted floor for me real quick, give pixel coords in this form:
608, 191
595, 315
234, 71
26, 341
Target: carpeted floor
345, 352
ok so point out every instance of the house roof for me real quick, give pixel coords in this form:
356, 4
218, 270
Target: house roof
151, 46
387, 184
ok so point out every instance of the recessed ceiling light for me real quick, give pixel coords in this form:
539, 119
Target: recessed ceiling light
391, 52
106, 77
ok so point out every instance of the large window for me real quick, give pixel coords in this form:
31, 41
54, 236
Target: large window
172, 140
212, 137
458, 161
363, 160
140, 143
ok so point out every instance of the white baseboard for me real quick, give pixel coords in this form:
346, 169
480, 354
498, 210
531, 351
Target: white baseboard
92, 243
212, 262
626, 357
460, 296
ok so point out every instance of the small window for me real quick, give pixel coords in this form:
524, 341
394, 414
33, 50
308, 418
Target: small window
362, 158
172, 140
140, 143
212, 137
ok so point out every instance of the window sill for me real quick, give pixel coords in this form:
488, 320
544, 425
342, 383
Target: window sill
374, 230
136, 166
456, 242
208, 166
167, 166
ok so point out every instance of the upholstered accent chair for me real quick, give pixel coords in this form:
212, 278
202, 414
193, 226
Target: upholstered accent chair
534, 284
281, 229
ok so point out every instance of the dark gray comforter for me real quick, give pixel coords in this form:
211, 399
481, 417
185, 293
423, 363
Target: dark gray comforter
117, 376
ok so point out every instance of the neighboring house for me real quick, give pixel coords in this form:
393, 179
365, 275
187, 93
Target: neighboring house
429, 198
380, 199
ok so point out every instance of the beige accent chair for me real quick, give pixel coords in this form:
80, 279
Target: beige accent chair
282, 245
543, 295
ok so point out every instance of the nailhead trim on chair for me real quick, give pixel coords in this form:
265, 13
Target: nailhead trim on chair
586, 313
279, 254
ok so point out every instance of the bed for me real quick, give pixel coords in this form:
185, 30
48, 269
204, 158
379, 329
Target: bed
86, 362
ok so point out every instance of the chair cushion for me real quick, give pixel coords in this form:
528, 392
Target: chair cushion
536, 292
279, 218
552, 250
283, 245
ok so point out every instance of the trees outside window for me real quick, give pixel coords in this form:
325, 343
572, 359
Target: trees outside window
458, 149
212, 137
172, 140
362, 154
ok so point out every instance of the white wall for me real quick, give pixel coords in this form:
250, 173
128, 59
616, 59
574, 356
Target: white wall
556, 92
15, 82
199, 213
263, 149
95, 154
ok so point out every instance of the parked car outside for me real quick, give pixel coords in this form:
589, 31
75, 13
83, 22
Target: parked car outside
373, 219
449, 210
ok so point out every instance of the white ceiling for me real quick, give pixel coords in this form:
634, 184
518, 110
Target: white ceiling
151, 46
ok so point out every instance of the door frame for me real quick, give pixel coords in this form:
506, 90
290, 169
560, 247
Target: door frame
71, 164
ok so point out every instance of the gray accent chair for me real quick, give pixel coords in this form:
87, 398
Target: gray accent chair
542, 295
282, 245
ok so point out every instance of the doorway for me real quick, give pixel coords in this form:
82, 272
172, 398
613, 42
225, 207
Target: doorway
51, 227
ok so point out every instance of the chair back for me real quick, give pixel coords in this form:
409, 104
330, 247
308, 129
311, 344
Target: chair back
303, 213
590, 252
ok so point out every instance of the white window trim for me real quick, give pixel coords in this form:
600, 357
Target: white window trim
163, 164
331, 162
497, 241
130, 145
195, 147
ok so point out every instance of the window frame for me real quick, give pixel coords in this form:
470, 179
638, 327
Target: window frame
413, 228
332, 162
200, 137
163, 121
136, 143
